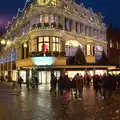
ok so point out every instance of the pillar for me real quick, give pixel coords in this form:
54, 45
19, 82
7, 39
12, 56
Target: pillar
62, 21
51, 45
74, 26
83, 29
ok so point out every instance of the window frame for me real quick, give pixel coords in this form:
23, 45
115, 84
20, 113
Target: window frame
43, 42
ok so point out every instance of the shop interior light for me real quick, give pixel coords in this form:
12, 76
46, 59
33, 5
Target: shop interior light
3, 42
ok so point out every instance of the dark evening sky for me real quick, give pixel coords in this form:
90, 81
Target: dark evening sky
108, 8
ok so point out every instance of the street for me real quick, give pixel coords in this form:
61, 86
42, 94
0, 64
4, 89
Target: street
38, 104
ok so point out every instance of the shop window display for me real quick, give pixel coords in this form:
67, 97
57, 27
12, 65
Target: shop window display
98, 52
71, 47
43, 44
56, 44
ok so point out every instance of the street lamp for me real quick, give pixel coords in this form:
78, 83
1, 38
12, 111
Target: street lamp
8, 42
3, 42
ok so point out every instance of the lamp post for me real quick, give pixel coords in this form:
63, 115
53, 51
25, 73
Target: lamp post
3, 43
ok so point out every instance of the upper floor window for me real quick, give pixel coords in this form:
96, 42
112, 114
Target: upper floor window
46, 18
88, 49
41, 18
66, 24
46, 2
77, 27
43, 44
111, 44
117, 45
56, 44
52, 19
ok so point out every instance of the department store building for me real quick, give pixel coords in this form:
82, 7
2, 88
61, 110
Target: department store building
45, 33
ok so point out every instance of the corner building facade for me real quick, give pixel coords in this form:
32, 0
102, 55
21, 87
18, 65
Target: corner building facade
45, 33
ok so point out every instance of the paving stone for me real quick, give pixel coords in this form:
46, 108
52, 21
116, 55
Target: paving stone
38, 104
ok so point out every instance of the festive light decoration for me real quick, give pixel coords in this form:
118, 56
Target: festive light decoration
3, 42
66, 9
67, 1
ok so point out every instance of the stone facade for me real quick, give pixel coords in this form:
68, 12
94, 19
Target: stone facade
55, 19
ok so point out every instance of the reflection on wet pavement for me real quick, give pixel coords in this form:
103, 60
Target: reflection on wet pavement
38, 104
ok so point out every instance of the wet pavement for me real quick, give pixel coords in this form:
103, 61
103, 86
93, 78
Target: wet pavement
38, 104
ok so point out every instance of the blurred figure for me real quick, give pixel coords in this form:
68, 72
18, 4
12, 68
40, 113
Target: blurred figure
98, 85
36, 81
61, 85
20, 81
105, 85
79, 85
53, 84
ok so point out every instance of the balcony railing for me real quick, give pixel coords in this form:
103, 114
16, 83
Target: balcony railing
54, 54
47, 25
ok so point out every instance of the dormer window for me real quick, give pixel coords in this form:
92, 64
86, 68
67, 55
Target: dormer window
91, 19
84, 15
111, 44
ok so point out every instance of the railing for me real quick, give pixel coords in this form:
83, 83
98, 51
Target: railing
46, 25
54, 54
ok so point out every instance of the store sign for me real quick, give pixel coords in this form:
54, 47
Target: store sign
43, 61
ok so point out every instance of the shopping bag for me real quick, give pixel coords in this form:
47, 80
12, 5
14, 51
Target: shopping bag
67, 95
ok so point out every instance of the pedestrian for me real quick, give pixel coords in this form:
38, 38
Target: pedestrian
98, 85
53, 84
105, 85
61, 85
20, 81
36, 81
79, 85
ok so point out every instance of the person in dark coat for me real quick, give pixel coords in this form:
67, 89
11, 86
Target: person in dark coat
53, 84
67, 83
98, 85
20, 81
36, 81
105, 85
61, 85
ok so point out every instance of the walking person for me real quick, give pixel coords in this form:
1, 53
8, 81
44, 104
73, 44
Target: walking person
61, 85
98, 85
79, 86
53, 84
36, 81
20, 81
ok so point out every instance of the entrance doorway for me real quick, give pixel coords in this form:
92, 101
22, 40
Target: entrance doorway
45, 76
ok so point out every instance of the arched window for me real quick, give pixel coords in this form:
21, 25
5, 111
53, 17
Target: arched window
98, 52
71, 47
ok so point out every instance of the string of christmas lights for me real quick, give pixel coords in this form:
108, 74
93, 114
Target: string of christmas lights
18, 22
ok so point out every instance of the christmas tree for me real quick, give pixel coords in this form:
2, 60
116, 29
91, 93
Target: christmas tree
79, 57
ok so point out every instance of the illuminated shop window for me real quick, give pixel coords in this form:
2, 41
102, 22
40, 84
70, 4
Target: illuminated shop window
56, 44
111, 45
98, 52
71, 47
88, 49
43, 44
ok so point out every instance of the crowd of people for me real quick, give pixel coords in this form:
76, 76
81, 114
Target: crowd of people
102, 84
